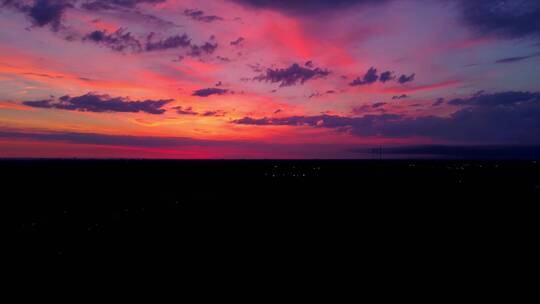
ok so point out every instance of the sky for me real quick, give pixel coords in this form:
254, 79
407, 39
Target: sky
265, 79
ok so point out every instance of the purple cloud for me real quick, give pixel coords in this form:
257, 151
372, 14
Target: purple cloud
172, 42
101, 103
207, 48
438, 102
387, 76
404, 78
238, 41
517, 59
199, 15
185, 111
501, 118
115, 4
306, 7
368, 78
496, 99
41, 12
503, 19
118, 41
292, 75
403, 96
209, 92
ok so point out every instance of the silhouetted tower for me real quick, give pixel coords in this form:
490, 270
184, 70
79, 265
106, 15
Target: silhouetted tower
378, 151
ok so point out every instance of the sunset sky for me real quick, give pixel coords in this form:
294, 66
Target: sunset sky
265, 79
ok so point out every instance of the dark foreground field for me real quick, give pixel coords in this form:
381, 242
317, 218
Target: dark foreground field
270, 210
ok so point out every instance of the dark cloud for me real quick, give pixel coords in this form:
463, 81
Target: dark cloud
48, 12
496, 99
469, 152
371, 77
368, 78
179, 41
255, 67
404, 78
360, 110
307, 6
209, 92
119, 41
438, 102
172, 42
199, 15
319, 94
387, 76
369, 108
122, 40
516, 59
217, 113
511, 117
292, 75
504, 19
41, 12
237, 41
128, 11
114, 4
101, 103
112, 140
403, 96
328, 121
156, 21
378, 105
99, 5
260, 122
207, 48
189, 111
185, 111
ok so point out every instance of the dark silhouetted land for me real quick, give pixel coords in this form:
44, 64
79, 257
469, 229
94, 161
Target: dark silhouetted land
202, 208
